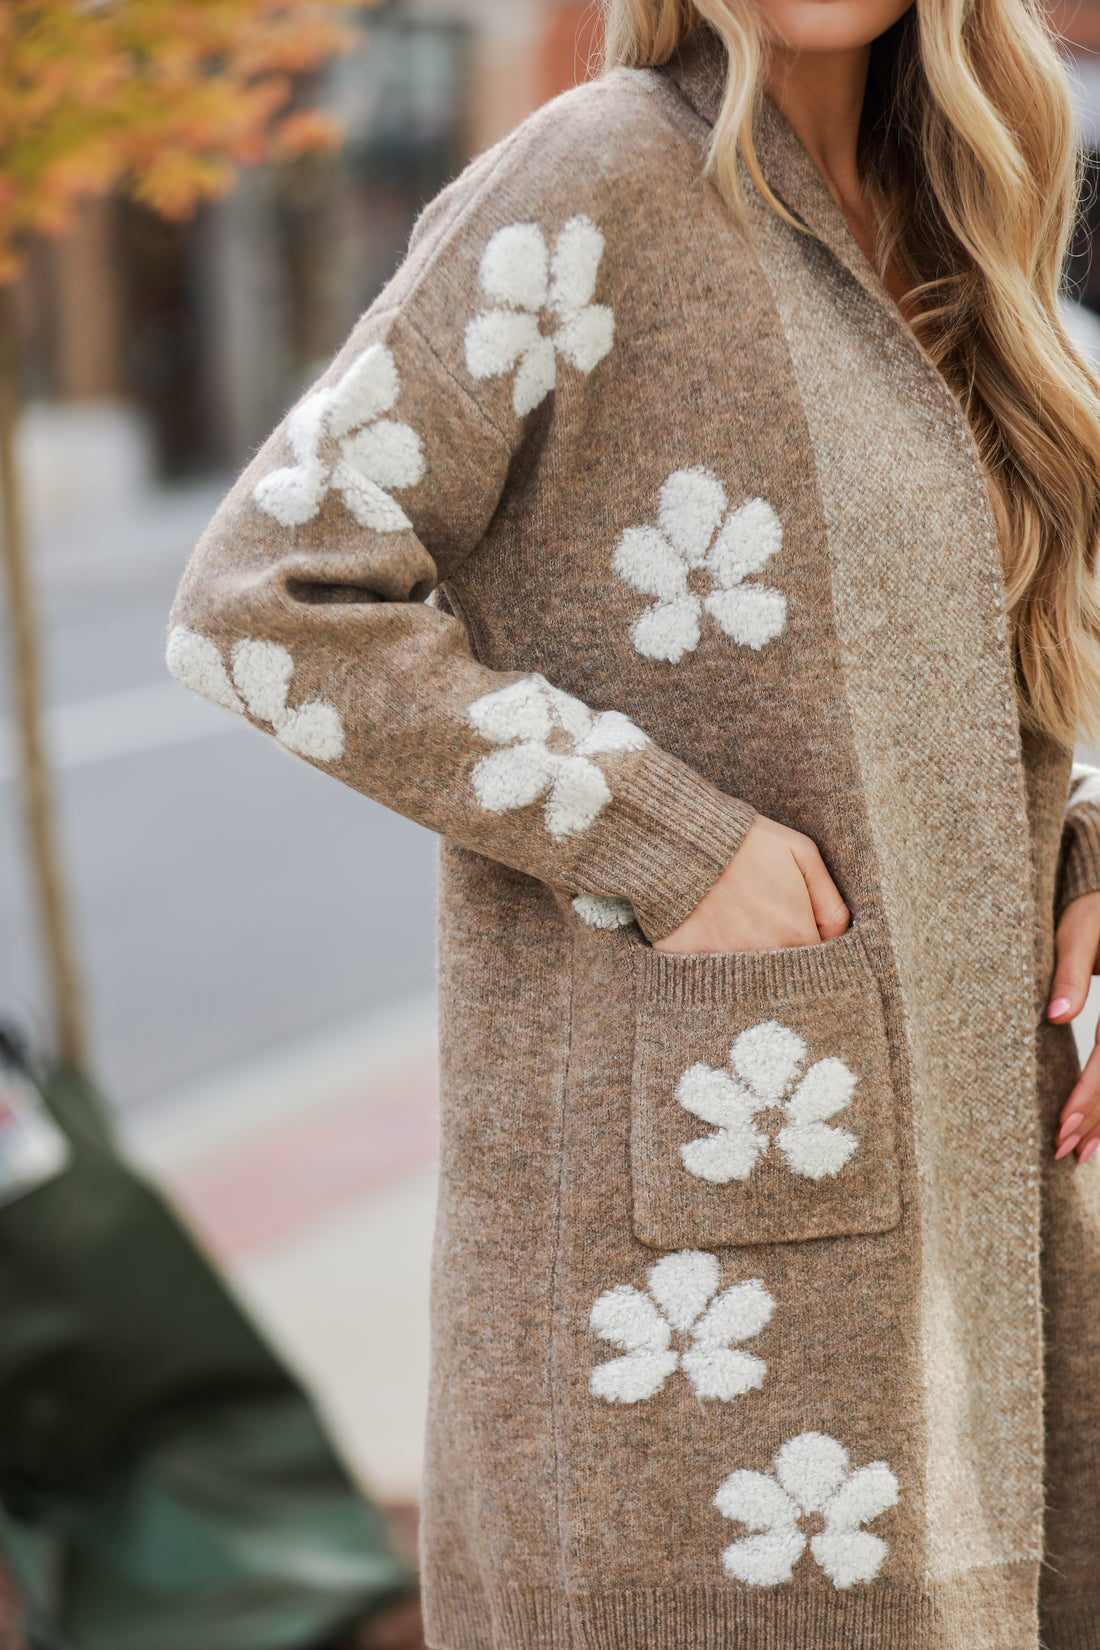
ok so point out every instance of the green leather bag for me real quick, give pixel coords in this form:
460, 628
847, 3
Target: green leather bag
164, 1482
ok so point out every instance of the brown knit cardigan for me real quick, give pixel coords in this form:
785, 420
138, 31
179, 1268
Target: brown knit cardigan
762, 1315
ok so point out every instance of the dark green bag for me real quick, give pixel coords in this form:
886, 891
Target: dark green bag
164, 1483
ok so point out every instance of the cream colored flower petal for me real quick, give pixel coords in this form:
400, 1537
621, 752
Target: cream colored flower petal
579, 795
497, 340
513, 778
371, 506
519, 711
612, 731
811, 1468
368, 389
751, 615
586, 338
515, 267
683, 1283
668, 630
649, 563
633, 1378
536, 378
693, 502
575, 265
731, 1154
714, 1097
628, 1319
867, 1494
570, 714
827, 1088
386, 453
765, 1560
262, 672
816, 1150
752, 535
849, 1556
604, 912
717, 1372
315, 730
738, 1314
293, 495
767, 1057
196, 662
307, 425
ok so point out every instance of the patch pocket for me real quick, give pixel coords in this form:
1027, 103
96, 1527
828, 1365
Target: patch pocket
761, 1103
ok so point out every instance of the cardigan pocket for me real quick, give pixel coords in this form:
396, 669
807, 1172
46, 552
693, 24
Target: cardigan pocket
761, 1104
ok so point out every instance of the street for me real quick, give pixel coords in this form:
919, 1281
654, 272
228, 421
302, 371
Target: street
231, 899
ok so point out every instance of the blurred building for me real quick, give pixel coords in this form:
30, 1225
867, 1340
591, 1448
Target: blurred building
213, 327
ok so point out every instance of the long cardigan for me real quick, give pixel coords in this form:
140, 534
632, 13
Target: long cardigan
615, 522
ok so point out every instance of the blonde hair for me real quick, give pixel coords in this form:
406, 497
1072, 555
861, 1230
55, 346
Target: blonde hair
968, 152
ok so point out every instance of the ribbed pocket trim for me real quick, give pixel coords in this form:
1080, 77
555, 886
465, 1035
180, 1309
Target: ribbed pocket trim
690, 981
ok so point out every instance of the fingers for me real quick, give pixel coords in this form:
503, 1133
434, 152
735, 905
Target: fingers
1076, 945
830, 912
1080, 1125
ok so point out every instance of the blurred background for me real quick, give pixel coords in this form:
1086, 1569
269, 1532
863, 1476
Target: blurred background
257, 943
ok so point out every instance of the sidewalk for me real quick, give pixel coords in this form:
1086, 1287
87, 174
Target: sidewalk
311, 1177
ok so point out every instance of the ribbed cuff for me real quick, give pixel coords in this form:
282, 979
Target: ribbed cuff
1081, 866
663, 842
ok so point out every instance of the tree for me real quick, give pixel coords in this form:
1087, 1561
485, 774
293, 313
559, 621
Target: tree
163, 98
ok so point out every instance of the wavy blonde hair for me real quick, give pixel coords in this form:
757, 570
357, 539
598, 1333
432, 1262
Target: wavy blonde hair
968, 153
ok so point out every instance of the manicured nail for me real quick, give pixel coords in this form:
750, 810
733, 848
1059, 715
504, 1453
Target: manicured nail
1066, 1147
1060, 1005
1088, 1151
1071, 1123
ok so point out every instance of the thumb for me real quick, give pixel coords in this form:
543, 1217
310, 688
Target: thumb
830, 912
1075, 946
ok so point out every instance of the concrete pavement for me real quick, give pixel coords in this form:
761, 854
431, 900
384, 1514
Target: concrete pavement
310, 1175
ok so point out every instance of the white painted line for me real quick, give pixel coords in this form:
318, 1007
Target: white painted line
119, 724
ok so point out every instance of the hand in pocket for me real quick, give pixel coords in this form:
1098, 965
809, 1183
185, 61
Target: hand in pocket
774, 893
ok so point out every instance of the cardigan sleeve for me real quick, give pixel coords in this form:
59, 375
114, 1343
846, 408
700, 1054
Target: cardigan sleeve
305, 611
1081, 837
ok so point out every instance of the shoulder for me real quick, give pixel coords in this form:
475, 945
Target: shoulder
613, 148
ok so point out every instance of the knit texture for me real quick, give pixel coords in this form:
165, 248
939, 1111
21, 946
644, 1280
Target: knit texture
761, 1314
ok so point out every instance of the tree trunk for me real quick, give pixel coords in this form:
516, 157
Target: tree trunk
36, 782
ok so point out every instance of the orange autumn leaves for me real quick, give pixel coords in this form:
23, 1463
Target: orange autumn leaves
163, 97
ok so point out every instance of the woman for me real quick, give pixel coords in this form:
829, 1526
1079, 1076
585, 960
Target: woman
759, 594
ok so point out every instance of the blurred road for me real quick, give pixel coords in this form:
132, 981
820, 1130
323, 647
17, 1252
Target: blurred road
230, 898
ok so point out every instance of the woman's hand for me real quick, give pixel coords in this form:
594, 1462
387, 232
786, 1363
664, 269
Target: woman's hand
774, 892
1077, 944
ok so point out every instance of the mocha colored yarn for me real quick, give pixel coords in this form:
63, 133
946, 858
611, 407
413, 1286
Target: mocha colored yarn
748, 1268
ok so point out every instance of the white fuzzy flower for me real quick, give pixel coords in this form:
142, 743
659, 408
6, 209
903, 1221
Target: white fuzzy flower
766, 1060
683, 1295
604, 911
812, 1475
524, 718
543, 308
694, 532
342, 442
260, 686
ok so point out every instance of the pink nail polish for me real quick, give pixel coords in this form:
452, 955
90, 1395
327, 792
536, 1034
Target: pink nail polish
1088, 1151
1066, 1147
1072, 1122
1060, 1005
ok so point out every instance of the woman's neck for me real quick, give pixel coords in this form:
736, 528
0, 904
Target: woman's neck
821, 95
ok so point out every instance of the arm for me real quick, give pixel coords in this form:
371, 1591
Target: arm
304, 610
1077, 948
